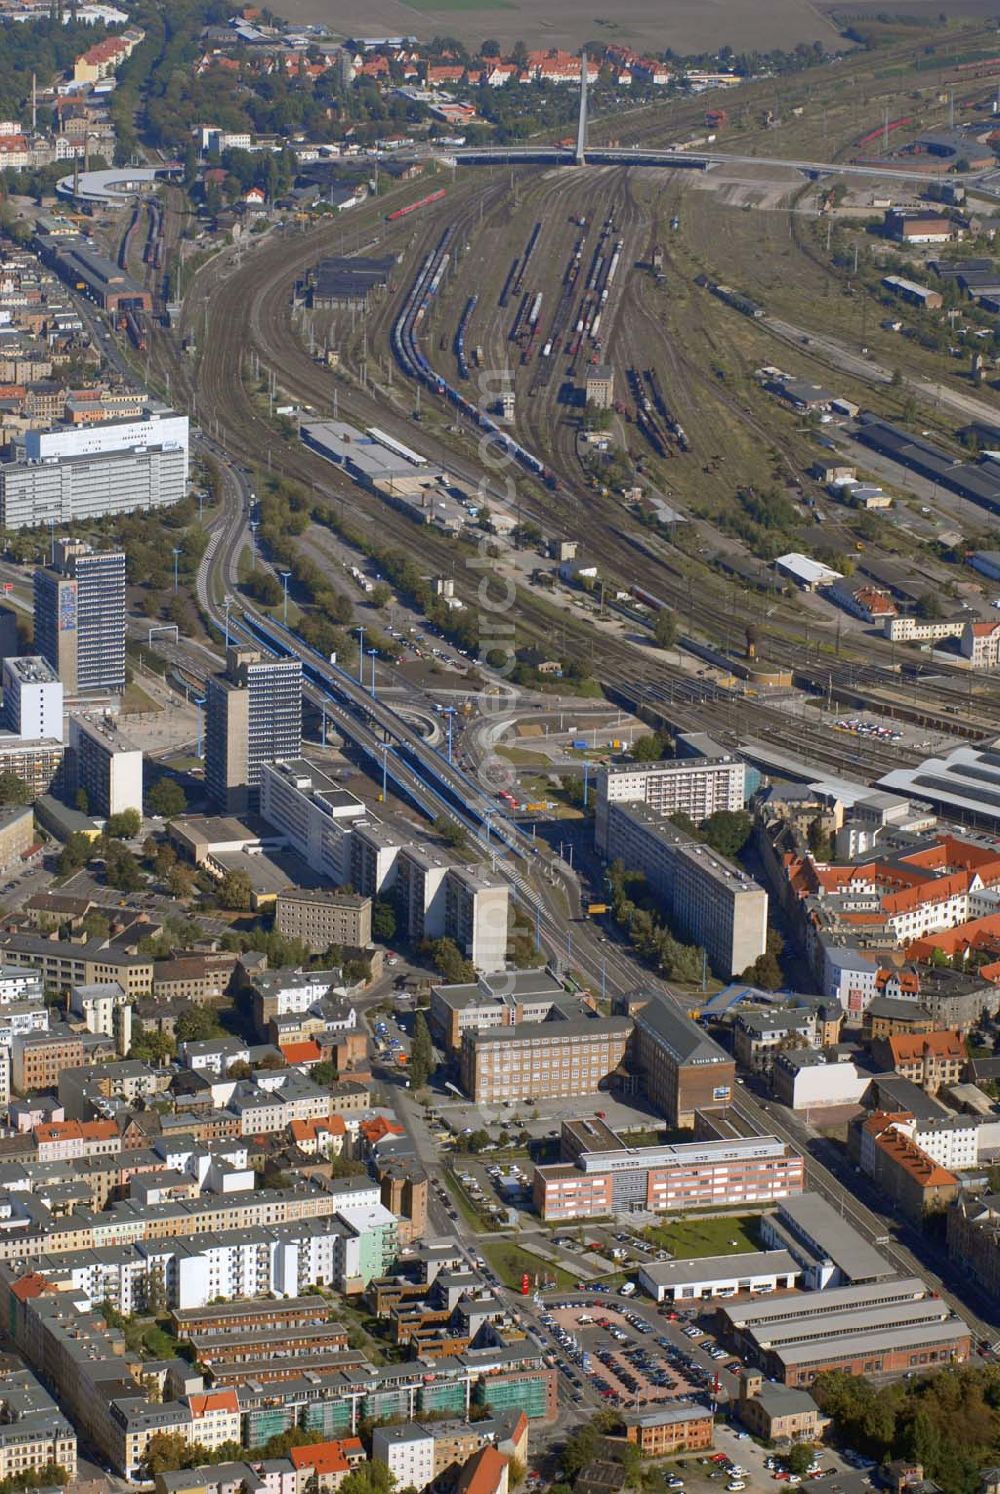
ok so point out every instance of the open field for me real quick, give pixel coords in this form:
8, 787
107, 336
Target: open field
921, 10
684, 25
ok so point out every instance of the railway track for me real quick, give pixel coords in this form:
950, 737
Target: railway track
257, 296
619, 658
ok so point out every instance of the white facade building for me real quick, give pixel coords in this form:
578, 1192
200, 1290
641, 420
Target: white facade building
720, 1276
706, 779
106, 766
32, 699
313, 813
803, 1079
68, 490
153, 429
19, 985
408, 1453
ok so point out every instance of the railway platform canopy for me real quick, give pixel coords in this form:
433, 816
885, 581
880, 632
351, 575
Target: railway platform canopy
117, 186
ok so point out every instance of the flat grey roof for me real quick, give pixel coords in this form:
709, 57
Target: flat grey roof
669, 1416
113, 186
827, 1230
720, 1267
538, 1032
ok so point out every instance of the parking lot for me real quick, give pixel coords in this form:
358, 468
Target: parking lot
631, 1355
627, 1362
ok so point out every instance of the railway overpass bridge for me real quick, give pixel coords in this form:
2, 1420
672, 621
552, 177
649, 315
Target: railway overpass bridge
678, 158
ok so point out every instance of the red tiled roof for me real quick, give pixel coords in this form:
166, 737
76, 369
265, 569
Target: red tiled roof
307, 1052
378, 1128
32, 1285
483, 1472
908, 1047
72, 1130
914, 1160
213, 1400
309, 1130
328, 1457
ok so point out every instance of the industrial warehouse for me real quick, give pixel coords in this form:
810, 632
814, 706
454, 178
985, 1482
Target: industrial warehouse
885, 1328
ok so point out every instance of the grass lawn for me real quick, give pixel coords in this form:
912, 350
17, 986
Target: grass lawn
663, 1136
463, 1203
523, 756
135, 701
184, 763
705, 1234
510, 1262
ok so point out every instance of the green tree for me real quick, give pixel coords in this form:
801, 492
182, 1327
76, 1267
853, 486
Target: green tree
649, 749
421, 1053
665, 628
579, 1450
166, 1452
452, 834
798, 1458
196, 1025
166, 798
683, 821
765, 972
180, 881
819, 839
448, 960
383, 921
369, 1478
124, 826
81, 800
150, 1046
727, 831
121, 869
14, 790
235, 892
76, 852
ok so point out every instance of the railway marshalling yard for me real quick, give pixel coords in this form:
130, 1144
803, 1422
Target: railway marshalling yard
756, 228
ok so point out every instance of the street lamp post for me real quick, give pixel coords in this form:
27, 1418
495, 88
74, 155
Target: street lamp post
227, 603
177, 555
385, 771
373, 655
361, 654
254, 526
286, 576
